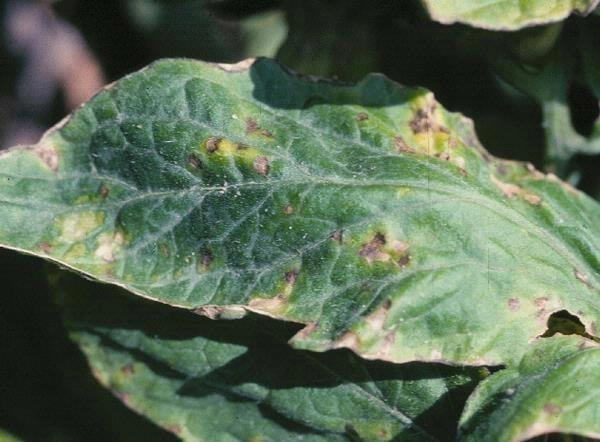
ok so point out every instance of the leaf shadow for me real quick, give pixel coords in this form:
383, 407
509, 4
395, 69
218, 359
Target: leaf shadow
267, 360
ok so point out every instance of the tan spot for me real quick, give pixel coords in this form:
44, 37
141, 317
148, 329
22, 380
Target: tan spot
261, 165
372, 252
401, 145
77, 226
376, 319
194, 161
47, 153
45, 247
337, 235
552, 408
347, 340
251, 125
288, 209
509, 190
240, 66
362, 116
109, 245
513, 304
581, 277
127, 369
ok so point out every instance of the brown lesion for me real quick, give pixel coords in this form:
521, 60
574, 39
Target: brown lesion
252, 127
194, 161
402, 146
261, 165
379, 249
337, 235
212, 144
362, 116
424, 120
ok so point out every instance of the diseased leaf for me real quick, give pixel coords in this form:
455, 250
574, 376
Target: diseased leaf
553, 389
239, 380
366, 212
506, 14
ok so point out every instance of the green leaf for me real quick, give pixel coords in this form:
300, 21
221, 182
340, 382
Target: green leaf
553, 389
366, 212
506, 14
239, 380
7, 437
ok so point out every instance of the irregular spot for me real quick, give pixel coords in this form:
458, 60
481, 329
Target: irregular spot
552, 409
376, 319
362, 116
337, 235
541, 301
109, 245
261, 165
508, 190
206, 259
212, 144
194, 161
514, 304
77, 226
288, 209
347, 340
424, 120
404, 260
371, 251
103, 191
47, 153
175, 429
291, 276
127, 369
253, 127
240, 66
581, 277
401, 145
216, 312
306, 331
512, 190
45, 247
532, 199
164, 250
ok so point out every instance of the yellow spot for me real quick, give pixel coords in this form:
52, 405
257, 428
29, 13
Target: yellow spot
77, 226
75, 252
109, 245
402, 191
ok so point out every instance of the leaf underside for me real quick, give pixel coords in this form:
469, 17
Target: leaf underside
366, 212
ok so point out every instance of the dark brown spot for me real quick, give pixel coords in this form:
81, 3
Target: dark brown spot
242, 146
362, 116
513, 304
207, 259
387, 304
420, 123
371, 251
337, 235
45, 247
261, 165
251, 125
445, 156
194, 161
127, 369
404, 260
552, 408
288, 209
103, 191
291, 276
266, 133
164, 250
401, 145
212, 144
462, 171
351, 432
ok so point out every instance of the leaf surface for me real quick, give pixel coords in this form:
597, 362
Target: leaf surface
366, 212
554, 389
239, 380
506, 14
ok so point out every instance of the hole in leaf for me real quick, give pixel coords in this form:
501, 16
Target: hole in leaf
565, 323
585, 108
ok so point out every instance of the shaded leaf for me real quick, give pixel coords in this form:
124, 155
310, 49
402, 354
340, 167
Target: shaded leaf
221, 380
506, 14
553, 389
366, 212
